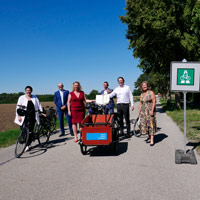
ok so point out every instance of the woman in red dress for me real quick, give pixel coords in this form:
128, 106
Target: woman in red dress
76, 106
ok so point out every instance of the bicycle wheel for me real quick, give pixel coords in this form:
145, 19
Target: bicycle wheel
22, 141
83, 149
136, 130
44, 134
53, 124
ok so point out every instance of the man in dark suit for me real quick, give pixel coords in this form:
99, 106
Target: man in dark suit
109, 108
60, 99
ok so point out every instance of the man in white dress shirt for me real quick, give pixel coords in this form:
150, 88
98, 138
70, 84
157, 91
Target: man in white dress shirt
124, 96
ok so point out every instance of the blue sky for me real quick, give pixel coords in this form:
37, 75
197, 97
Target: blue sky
46, 42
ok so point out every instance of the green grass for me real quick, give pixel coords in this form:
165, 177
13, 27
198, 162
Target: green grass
9, 137
192, 121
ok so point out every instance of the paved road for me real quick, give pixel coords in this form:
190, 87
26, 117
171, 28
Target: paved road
138, 172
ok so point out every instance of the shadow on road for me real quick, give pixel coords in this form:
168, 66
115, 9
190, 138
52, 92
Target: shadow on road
37, 150
59, 140
33, 152
160, 110
159, 137
7, 161
193, 144
196, 127
107, 150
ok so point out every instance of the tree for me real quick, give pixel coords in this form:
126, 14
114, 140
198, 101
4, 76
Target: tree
92, 94
163, 31
156, 82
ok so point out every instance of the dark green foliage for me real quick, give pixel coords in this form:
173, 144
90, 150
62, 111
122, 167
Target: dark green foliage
136, 92
46, 97
160, 32
13, 97
10, 98
92, 94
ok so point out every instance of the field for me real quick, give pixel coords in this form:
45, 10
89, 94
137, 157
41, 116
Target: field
7, 115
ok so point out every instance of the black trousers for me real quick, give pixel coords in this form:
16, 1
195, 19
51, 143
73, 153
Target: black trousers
123, 111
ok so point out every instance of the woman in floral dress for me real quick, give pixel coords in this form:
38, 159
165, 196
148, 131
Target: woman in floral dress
146, 112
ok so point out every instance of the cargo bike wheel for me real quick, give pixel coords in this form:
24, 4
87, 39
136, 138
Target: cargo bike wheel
115, 133
83, 149
82, 146
22, 142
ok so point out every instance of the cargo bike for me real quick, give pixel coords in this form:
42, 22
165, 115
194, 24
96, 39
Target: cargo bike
99, 130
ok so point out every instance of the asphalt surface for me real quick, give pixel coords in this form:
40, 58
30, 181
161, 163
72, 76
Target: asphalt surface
137, 172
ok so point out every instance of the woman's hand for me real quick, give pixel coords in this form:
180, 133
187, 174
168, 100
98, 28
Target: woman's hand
69, 113
19, 118
151, 113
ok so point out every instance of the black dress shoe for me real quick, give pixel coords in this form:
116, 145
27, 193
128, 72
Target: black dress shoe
62, 134
151, 145
147, 140
128, 134
121, 133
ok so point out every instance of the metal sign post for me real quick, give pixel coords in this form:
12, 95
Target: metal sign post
185, 77
184, 94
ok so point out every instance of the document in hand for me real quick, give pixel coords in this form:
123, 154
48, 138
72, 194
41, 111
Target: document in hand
102, 99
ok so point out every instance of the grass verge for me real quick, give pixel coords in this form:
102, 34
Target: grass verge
9, 137
192, 122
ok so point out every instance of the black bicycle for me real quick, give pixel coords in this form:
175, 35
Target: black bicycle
51, 115
41, 132
136, 128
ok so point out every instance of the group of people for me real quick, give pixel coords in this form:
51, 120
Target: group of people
72, 106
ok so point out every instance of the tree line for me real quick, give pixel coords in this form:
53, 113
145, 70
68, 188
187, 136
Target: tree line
160, 32
6, 98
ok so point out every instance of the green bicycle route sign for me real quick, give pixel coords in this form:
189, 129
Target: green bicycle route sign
185, 76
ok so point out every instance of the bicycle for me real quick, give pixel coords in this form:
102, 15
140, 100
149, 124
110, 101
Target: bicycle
136, 128
41, 132
51, 115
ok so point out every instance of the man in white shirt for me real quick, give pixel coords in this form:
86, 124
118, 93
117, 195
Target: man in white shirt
124, 96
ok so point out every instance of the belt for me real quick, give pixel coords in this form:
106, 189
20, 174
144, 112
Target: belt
123, 104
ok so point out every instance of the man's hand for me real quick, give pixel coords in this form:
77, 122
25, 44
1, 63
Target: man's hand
108, 91
63, 108
132, 108
44, 115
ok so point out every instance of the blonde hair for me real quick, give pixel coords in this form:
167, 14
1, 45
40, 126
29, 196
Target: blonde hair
80, 88
148, 86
